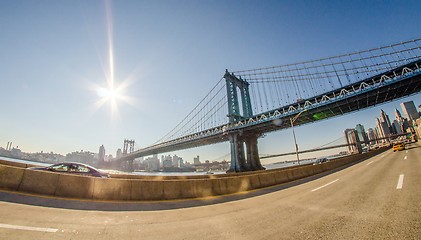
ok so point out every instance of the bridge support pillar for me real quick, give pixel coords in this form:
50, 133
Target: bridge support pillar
238, 161
253, 160
241, 162
130, 167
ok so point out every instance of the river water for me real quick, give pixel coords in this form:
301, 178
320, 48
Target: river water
268, 167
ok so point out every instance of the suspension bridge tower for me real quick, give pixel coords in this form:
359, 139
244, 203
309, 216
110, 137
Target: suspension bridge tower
243, 158
127, 149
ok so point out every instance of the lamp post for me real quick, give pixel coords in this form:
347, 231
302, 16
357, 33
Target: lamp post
292, 120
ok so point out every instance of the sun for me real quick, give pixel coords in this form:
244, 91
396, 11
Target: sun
113, 95
109, 93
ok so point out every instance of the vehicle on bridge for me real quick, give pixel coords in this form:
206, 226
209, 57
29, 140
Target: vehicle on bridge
320, 160
74, 168
398, 146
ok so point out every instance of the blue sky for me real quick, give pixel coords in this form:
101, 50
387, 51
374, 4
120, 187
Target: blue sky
54, 56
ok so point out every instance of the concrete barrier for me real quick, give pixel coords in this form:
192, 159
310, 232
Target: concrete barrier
10, 177
111, 189
72, 186
140, 188
296, 173
267, 179
147, 190
233, 185
281, 177
14, 164
39, 182
17, 164
202, 188
173, 189
187, 189
223, 186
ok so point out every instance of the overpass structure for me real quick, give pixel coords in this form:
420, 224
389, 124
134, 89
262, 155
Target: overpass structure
244, 105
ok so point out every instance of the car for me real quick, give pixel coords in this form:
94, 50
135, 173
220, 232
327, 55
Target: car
320, 161
398, 147
74, 168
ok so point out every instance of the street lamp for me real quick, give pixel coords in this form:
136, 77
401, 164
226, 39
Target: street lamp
292, 120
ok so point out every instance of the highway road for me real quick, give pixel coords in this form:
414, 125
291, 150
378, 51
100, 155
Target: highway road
379, 198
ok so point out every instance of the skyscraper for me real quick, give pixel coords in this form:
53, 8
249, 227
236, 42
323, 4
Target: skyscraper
362, 136
382, 128
398, 115
101, 153
410, 111
397, 126
385, 118
371, 135
196, 160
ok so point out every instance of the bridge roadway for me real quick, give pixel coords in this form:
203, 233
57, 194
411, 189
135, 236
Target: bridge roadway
378, 198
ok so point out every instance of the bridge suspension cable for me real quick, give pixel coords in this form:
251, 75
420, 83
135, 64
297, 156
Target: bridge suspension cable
211, 111
278, 86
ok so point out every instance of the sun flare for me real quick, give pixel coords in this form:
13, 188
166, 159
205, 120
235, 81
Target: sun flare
107, 93
111, 91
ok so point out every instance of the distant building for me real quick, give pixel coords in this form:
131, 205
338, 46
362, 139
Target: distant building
385, 118
397, 126
119, 153
351, 138
152, 163
401, 123
101, 153
371, 135
383, 129
16, 152
166, 163
176, 161
196, 160
82, 157
418, 129
410, 111
398, 115
362, 136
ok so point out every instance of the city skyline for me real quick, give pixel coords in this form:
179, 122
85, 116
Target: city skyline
381, 114
165, 56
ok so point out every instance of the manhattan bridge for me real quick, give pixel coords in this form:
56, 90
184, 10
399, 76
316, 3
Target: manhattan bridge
244, 105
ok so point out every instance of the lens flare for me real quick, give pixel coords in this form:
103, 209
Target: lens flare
112, 92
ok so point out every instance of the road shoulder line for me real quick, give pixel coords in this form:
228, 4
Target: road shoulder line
17, 227
327, 184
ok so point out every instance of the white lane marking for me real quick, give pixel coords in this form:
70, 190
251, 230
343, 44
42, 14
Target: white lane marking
52, 230
406, 151
400, 182
327, 184
369, 163
405, 157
